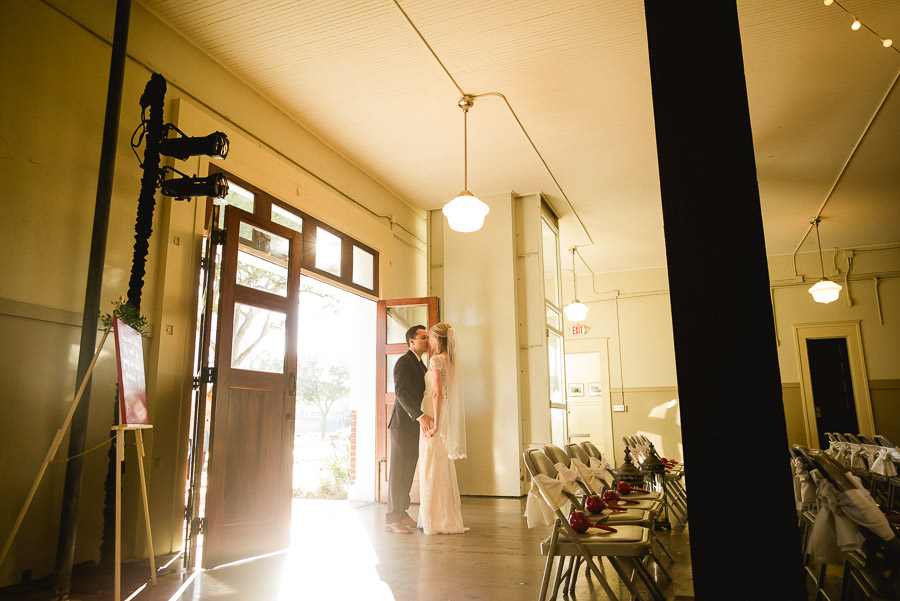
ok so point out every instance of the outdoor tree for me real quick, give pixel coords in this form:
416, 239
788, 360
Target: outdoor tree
251, 326
322, 385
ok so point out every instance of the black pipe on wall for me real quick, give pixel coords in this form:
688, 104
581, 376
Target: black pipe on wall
65, 550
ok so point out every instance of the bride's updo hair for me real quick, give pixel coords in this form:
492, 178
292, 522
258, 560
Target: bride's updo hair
440, 332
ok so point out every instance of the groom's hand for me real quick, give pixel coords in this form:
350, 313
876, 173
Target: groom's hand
426, 422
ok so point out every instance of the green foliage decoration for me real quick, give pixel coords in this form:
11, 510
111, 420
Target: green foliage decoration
128, 314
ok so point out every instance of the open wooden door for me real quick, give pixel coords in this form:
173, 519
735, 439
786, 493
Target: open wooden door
393, 319
248, 499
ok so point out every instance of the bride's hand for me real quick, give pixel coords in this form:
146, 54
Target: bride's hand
431, 432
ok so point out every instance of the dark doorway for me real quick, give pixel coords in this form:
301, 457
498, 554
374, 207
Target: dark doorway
832, 387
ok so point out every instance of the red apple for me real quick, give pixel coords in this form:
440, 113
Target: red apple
579, 521
611, 497
623, 487
594, 504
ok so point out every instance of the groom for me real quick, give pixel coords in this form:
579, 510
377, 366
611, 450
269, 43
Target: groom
406, 421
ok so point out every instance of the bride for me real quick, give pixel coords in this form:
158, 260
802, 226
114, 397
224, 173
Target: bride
445, 441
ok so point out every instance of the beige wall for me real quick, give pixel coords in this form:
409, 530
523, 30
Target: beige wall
630, 315
55, 71
878, 317
631, 310
479, 301
55, 68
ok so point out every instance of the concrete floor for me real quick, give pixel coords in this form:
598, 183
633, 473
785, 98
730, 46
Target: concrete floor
342, 552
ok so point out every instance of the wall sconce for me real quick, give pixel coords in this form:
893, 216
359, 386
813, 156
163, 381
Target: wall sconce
465, 213
576, 310
824, 291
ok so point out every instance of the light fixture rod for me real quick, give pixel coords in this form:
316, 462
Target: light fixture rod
816, 221
465, 103
509, 106
574, 275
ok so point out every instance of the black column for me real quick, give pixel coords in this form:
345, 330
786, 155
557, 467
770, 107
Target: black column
743, 526
65, 548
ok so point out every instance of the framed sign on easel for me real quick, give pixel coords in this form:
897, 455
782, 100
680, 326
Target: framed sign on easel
133, 416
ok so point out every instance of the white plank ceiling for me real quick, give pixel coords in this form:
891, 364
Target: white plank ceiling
576, 73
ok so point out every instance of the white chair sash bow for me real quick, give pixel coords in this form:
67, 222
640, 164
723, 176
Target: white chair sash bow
843, 452
833, 531
599, 467
884, 463
544, 498
860, 507
567, 476
804, 487
586, 473
857, 457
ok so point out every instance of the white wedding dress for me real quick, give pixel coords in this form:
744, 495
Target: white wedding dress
439, 506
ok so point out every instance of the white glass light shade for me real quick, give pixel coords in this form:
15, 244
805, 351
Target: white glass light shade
576, 311
825, 291
465, 213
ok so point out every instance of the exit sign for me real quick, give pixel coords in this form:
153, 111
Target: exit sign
579, 330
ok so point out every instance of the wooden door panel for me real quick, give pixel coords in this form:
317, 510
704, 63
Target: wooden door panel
252, 429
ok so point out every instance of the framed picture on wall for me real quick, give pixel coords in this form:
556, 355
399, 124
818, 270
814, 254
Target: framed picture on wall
594, 389
576, 390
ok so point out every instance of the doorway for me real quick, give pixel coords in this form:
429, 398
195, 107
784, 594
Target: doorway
832, 387
334, 442
259, 323
833, 383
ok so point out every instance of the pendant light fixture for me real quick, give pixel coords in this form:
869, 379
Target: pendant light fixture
576, 310
824, 291
465, 213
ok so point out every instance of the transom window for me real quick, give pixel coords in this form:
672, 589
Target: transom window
327, 252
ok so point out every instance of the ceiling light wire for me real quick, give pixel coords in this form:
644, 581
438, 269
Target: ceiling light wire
509, 106
843, 169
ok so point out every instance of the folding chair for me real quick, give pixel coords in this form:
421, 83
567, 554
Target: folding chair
577, 454
624, 549
874, 569
807, 517
893, 501
643, 513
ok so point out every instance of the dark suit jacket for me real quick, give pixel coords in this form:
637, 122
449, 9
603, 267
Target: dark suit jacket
409, 386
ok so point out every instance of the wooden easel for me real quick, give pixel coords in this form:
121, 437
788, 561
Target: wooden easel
133, 416
120, 457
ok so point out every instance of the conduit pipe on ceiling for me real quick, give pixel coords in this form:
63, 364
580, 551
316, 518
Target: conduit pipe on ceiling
246, 131
508, 105
844, 169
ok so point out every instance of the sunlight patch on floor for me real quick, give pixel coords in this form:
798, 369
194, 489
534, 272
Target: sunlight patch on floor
327, 537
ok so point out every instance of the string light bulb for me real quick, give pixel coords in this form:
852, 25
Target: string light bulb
856, 25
